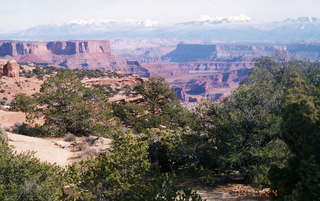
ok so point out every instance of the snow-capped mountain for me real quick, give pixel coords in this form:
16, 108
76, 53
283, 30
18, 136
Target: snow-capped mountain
208, 20
111, 22
236, 29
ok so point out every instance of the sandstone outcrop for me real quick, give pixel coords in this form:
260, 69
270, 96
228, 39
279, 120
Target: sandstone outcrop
194, 81
192, 52
121, 82
88, 55
11, 69
212, 71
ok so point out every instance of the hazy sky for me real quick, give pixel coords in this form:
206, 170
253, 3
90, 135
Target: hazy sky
21, 14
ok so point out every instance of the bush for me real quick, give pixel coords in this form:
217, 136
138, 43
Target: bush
23, 103
175, 149
3, 136
69, 137
25, 129
24, 178
299, 178
160, 107
124, 173
68, 106
3, 101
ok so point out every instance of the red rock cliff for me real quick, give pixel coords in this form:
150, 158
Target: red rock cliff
68, 54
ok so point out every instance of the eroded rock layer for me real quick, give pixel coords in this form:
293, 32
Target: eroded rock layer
194, 81
210, 52
89, 55
11, 69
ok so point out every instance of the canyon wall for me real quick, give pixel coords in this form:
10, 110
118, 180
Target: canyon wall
305, 51
240, 52
194, 81
88, 55
204, 71
191, 52
194, 71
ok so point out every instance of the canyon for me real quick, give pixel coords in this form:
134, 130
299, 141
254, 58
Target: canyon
195, 71
211, 71
88, 55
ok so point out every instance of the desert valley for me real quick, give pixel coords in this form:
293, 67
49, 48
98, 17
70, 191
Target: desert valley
195, 72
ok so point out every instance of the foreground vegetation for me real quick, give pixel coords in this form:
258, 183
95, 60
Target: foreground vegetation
266, 133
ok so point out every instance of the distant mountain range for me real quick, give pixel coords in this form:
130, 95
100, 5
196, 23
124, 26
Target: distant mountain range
230, 29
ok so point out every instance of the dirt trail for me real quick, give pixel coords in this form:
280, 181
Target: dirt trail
8, 119
44, 149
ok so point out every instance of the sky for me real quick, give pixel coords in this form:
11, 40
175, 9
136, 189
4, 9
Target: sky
21, 14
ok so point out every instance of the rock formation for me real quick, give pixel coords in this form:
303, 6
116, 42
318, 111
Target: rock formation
192, 52
89, 55
234, 52
120, 82
211, 71
305, 51
193, 81
11, 69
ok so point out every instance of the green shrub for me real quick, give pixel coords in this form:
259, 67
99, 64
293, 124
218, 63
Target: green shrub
124, 173
159, 108
24, 178
68, 106
3, 136
299, 179
23, 103
25, 129
175, 149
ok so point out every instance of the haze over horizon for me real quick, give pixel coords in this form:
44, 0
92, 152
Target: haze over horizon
22, 14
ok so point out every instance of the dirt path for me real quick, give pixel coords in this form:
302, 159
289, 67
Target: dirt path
44, 149
8, 119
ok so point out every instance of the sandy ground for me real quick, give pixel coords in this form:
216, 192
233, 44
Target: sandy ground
43, 148
8, 119
9, 86
50, 149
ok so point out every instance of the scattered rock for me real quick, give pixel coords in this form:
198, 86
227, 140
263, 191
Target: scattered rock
63, 144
